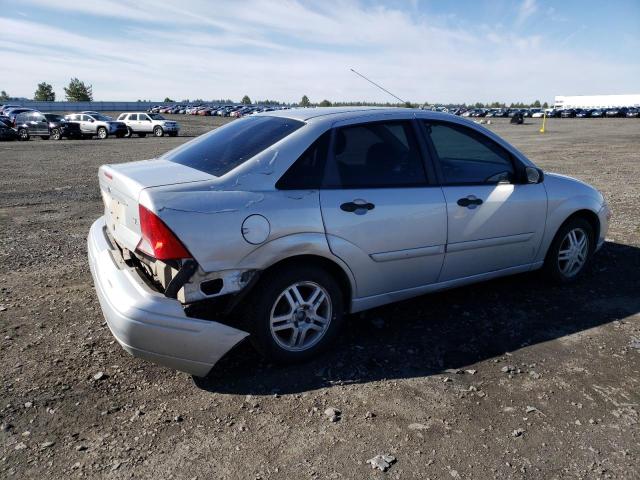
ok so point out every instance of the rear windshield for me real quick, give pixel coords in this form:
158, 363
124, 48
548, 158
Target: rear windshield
225, 148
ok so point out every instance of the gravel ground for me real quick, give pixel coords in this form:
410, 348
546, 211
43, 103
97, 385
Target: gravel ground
508, 379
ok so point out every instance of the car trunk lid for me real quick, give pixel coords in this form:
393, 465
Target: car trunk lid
121, 185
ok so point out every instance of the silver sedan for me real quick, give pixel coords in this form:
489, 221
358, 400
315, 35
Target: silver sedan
276, 226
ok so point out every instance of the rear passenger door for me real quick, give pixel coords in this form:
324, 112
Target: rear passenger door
383, 215
495, 219
39, 124
132, 121
145, 124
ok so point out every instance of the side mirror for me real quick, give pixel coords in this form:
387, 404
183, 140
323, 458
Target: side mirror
534, 175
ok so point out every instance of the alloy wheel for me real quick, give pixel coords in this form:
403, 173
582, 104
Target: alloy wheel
300, 316
573, 252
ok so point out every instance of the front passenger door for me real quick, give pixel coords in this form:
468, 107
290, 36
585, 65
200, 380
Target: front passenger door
495, 221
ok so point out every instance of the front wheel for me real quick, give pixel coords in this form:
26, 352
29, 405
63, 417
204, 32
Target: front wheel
158, 131
102, 133
570, 251
129, 133
55, 134
294, 313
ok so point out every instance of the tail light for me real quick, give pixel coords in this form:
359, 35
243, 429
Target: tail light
157, 240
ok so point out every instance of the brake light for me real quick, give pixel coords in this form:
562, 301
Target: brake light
157, 240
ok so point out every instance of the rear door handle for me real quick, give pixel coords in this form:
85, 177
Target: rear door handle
359, 208
470, 201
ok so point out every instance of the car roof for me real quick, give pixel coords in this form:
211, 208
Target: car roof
336, 114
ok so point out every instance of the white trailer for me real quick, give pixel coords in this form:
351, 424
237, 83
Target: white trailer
596, 101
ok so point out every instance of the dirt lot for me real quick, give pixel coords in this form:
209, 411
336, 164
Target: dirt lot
508, 379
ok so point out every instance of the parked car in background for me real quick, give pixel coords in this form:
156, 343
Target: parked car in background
538, 114
59, 128
597, 113
616, 112
31, 124
633, 112
568, 113
4, 109
293, 219
142, 123
583, 113
13, 112
7, 133
97, 125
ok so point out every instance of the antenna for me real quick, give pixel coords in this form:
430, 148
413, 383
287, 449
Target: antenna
381, 88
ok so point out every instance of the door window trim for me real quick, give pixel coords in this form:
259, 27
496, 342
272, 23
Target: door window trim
518, 167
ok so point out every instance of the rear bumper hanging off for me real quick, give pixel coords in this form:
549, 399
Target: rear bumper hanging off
148, 324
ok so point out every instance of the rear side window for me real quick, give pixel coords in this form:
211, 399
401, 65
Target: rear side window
133, 116
376, 155
467, 156
307, 171
225, 148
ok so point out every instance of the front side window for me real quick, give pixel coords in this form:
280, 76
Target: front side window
469, 157
133, 116
227, 147
375, 155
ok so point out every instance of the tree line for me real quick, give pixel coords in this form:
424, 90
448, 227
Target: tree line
79, 91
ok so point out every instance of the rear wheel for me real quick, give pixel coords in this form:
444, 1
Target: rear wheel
570, 251
294, 314
102, 133
55, 134
129, 133
158, 131
23, 134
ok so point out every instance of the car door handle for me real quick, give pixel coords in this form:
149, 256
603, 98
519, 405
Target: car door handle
353, 206
470, 202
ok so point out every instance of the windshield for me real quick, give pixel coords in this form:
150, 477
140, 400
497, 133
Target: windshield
225, 148
156, 116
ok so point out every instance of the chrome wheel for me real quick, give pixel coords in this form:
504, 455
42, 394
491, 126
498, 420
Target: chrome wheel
573, 252
300, 316
102, 133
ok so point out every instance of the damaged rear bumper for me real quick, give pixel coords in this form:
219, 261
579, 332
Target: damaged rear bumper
148, 324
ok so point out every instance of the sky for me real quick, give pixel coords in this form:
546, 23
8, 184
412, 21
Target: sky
431, 51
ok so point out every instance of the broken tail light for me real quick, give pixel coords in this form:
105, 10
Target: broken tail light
157, 240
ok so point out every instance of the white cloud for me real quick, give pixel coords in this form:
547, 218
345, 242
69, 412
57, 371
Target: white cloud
526, 10
286, 49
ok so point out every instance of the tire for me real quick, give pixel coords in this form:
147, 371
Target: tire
56, 134
302, 330
23, 134
102, 133
574, 242
142, 135
129, 133
158, 131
